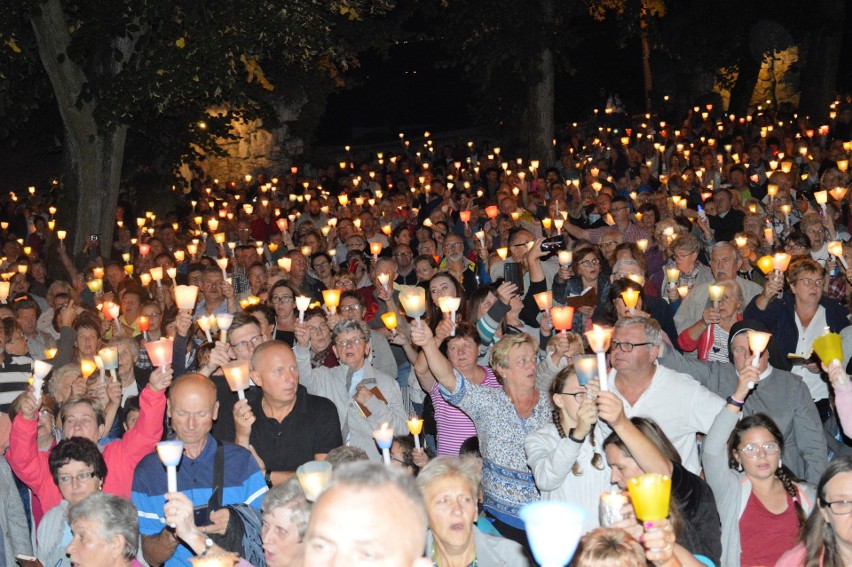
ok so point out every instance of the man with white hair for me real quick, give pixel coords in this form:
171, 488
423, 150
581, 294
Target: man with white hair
724, 263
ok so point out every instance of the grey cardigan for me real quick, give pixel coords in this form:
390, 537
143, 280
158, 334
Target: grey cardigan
491, 551
13, 522
782, 396
731, 488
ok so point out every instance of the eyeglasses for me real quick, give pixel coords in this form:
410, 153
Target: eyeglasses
752, 450
320, 265
626, 347
616, 209
453, 245
682, 255
350, 307
346, 342
276, 299
607, 244
402, 254
244, 344
79, 477
579, 397
318, 329
592, 262
809, 281
838, 507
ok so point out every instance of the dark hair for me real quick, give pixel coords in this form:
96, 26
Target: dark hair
27, 303
264, 310
463, 330
650, 208
76, 449
761, 420
241, 320
470, 447
615, 291
556, 387
818, 536
433, 312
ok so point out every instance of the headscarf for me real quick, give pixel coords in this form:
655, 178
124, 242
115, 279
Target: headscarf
776, 358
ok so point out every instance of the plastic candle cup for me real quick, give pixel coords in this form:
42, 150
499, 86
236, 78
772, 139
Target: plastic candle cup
389, 319
331, 297
384, 279
650, 494
586, 367
599, 339
237, 375
610, 508
449, 306
384, 439
40, 371
157, 275
94, 286
464, 216
49, 353
313, 477
765, 264
205, 324
672, 275
503, 253
61, 234
566, 258
179, 256
376, 249
109, 357
630, 297
160, 353
683, 291
415, 426
170, 453
757, 342
787, 209
829, 347
87, 368
223, 321
172, 273
553, 529
145, 279
185, 296
413, 300
223, 265
302, 303
781, 260
716, 292
741, 241
562, 317
98, 273
835, 248
544, 300
559, 223
480, 235
492, 212
821, 197
284, 263
642, 244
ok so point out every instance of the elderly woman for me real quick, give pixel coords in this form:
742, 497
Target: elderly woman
66, 382
503, 417
365, 397
799, 317
709, 335
285, 518
815, 227
451, 488
106, 532
685, 251
321, 352
79, 470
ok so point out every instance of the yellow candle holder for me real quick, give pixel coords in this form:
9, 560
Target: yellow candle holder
650, 494
829, 347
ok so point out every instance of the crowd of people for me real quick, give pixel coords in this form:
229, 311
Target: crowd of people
461, 291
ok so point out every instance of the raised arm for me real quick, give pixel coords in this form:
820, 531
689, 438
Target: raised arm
645, 452
440, 367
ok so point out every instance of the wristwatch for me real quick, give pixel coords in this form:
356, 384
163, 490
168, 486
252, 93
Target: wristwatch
208, 545
267, 476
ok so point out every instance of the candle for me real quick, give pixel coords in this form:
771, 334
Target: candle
642, 244
562, 317
145, 279
237, 376
465, 217
683, 291
40, 371
544, 300
223, 321
331, 297
160, 353
566, 258
492, 211
611, 504
757, 342
599, 338
179, 256
87, 367
650, 494
109, 358
829, 347
769, 235
384, 439
503, 253
185, 296
384, 279
766, 264
449, 306
223, 265
838, 193
313, 477
415, 426
302, 303
480, 235
741, 241
61, 234
157, 275
835, 248
144, 249
284, 263
98, 273
49, 353
672, 275
205, 323
630, 297
170, 453
413, 300
5, 286
94, 286
586, 367
821, 197
376, 249
389, 319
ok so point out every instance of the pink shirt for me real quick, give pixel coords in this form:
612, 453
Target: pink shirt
454, 426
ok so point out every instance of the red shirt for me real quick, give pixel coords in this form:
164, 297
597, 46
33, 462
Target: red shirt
764, 536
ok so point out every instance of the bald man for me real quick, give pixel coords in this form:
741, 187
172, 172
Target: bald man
192, 407
347, 523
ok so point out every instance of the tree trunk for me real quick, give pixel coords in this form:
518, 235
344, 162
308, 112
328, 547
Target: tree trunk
93, 157
646, 63
743, 89
542, 95
824, 42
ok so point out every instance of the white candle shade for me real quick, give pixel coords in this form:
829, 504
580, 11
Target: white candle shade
185, 296
170, 452
544, 300
553, 529
157, 274
413, 300
384, 436
313, 477
237, 375
224, 320
109, 356
160, 352
41, 369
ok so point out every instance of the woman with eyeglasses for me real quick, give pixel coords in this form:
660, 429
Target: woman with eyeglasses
78, 469
323, 268
797, 318
282, 299
826, 539
565, 456
761, 505
588, 278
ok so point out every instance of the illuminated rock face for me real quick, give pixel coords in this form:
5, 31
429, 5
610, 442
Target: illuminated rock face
778, 81
256, 149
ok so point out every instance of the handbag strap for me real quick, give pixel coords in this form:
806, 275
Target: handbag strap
219, 474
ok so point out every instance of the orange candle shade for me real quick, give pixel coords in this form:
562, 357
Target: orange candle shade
630, 297
331, 297
464, 216
563, 317
143, 323
389, 319
376, 248
544, 300
766, 264
492, 211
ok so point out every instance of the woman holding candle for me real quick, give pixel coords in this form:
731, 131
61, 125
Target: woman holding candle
256, 276
282, 298
503, 417
443, 285
564, 456
709, 335
451, 490
588, 278
798, 317
78, 469
755, 494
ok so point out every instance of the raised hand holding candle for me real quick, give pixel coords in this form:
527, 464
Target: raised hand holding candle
205, 323
237, 376
170, 453
302, 304
160, 353
651, 495
331, 297
157, 275
415, 426
566, 258
449, 306
672, 275
40, 371
223, 265
413, 300
630, 297
835, 248
562, 317
313, 477
821, 197
780, 261
384, 439
757, 342
223, 321
599, 339
544, 300
109, 357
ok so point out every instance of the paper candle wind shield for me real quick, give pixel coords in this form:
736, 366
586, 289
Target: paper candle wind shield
237, 376
185, 296
160, 352
413, 300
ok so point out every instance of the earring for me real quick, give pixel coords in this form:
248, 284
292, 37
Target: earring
739, 467
780, 463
